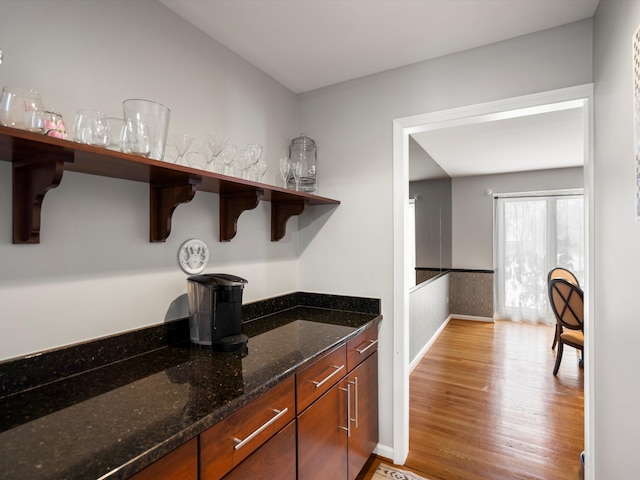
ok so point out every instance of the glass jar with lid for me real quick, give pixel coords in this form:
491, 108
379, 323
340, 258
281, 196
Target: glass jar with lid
303, 150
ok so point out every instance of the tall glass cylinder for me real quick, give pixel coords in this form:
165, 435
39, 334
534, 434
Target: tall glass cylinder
303, 150
146, 124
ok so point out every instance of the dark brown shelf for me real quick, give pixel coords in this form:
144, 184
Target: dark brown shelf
40, 161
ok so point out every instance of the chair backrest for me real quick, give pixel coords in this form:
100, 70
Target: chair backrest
567, 303
560, 272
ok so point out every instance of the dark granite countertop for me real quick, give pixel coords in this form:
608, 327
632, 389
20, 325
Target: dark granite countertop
125, 410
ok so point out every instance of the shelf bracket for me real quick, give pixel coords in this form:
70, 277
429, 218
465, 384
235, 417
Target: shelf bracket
231, 206
281, 212
33, 177
164, 198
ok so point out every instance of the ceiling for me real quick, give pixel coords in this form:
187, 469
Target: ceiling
534, 142
309, 44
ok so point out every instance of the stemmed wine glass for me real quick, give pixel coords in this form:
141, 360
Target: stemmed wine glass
181, 143
260, 168
228, 154
255, 153
215, 142
285, 166
242, 164
196, 159
296, 170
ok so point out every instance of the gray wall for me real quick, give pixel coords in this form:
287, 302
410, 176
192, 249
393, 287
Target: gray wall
473, 209
615, 328
352, 123
433, 222
428, 309
95, 272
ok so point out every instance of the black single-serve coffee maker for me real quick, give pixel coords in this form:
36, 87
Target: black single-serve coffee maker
215, 311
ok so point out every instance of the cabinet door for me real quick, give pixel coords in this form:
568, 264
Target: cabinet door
363, 385
274, 459
322, 436
181, 464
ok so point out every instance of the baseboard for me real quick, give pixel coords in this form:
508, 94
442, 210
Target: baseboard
383, 451
472, 318
414, 363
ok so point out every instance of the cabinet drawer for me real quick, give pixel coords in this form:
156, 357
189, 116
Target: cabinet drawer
181, 464
227, 443
360, 347
319, 377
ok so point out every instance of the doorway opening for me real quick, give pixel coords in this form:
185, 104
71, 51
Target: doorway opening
580, 97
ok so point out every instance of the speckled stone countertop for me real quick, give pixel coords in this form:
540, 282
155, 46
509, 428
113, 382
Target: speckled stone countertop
108, 408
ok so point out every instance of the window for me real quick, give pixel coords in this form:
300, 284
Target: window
533, 235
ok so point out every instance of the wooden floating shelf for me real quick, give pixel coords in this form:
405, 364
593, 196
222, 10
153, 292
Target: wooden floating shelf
40, 161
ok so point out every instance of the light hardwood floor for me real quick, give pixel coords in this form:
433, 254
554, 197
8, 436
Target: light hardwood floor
484, 405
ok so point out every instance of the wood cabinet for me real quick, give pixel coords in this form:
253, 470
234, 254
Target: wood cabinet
319, 377
181, 464
229, 442
360, 347
338, 430
39, 163
276, 459
322, 436
363, 436
321, 424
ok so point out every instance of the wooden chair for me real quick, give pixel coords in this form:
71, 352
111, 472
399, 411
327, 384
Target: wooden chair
567, 303
560, 272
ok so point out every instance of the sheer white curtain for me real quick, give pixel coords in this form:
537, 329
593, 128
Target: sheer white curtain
534, 234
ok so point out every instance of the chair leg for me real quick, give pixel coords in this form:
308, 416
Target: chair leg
558, 357
555, 336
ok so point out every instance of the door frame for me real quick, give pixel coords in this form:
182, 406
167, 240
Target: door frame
580, 96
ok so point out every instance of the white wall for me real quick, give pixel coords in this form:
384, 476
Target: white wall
95, 272
473, 209
352, 124
617, 245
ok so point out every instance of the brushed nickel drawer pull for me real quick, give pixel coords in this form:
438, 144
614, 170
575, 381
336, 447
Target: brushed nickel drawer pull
371, 344
355, 384
322, 382
348, 427
242, 443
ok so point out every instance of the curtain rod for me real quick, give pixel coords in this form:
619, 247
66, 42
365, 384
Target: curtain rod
549, 193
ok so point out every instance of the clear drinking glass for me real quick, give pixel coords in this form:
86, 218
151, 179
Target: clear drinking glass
228, 154
116, 126
242, 164
260, 168
91, 127
285, 167
22, 108
296, 170
256, 152
179, 143
197, 160
215, 142
136, 138
146, 127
